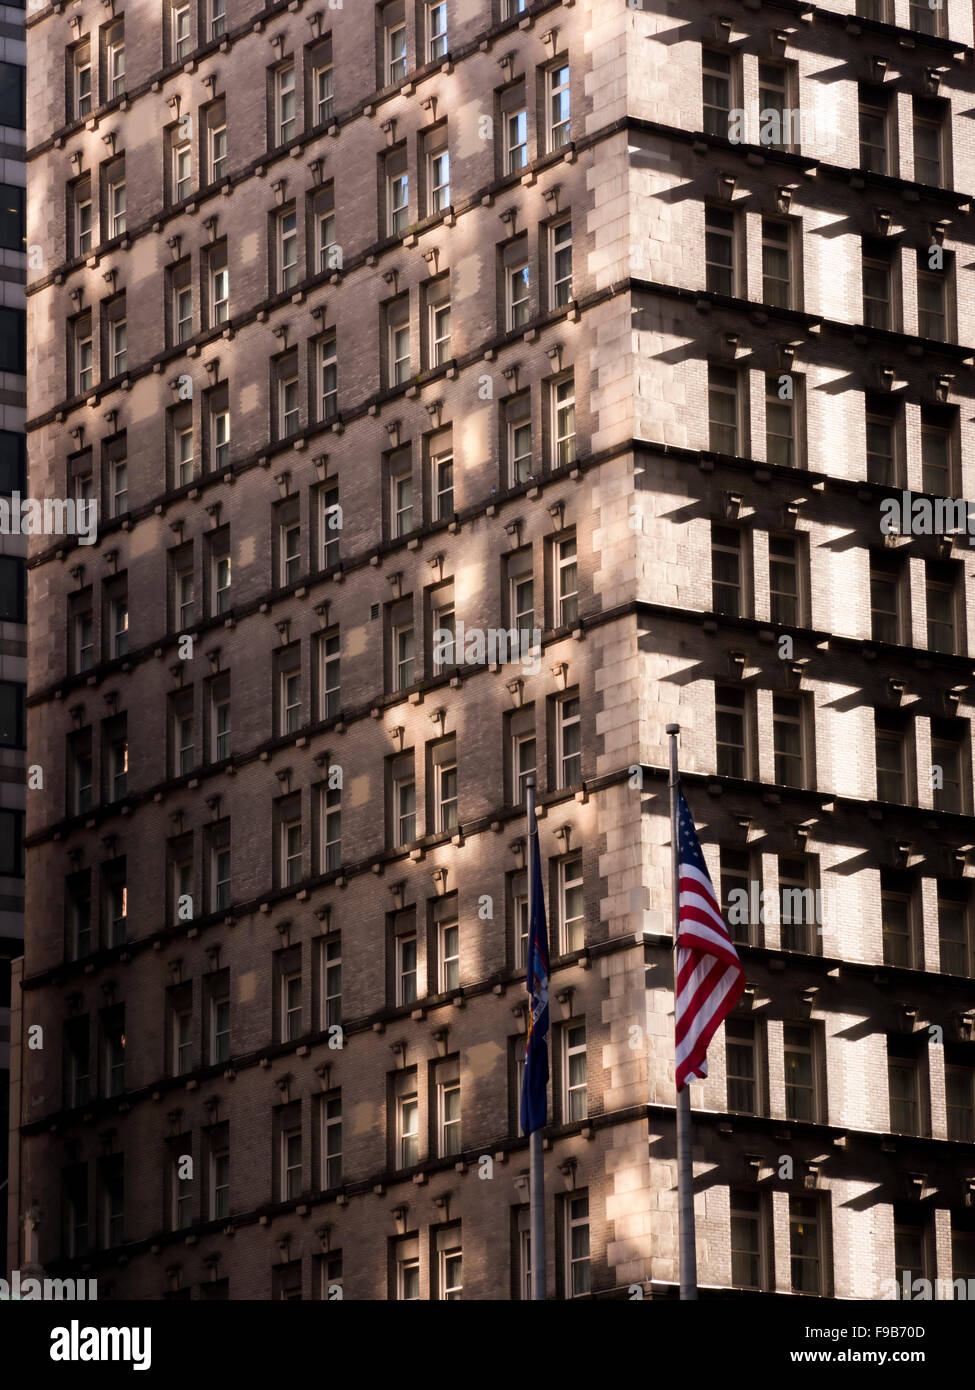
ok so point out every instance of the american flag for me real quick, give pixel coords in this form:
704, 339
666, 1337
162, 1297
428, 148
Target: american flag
710, 978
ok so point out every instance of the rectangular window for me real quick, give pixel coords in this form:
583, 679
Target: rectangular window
730, 732
886, 604
790, 735
785, 556
331, 1139
891, 738
805, 1235
448, 1107
330, 812
933, 319
329, 675
82, 216
560, 263
286, 239
748, 1241
397, 193
902, 1075
572, 905
395, 39
439, 330
328, 366
218, 1175
957, 943
568, 740
801, 1073
721, 259
331, 981
180, 32
217, 18
406, 968
115, 62
285, 108
182, 173
931, 136
927, 18
438, 179
577, 1267
403, 801
81, 73
728, 595
218, 1020
408, 1125
777, 275
742, 1060
291, 1167
436, 24
444, 774
448, 953
960, 1102
878, 306
777, 105
517, 285
557, 92
897, 922
874, 133
938, 451
324, 93
723, 409
718, 84
515, 141
574, 1093
407, 1270
563, 399
941, 600
883, 462
949, 765
218, 285
399, 348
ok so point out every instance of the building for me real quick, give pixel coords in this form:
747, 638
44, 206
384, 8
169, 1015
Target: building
618, 324
13, 547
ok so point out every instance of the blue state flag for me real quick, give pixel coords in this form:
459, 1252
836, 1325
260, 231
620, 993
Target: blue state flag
533, 1090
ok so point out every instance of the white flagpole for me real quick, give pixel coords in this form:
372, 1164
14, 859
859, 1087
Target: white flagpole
536, 1210
685, 1166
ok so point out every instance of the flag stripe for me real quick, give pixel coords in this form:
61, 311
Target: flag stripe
710, 978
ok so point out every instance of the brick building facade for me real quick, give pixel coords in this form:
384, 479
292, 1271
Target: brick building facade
361, 324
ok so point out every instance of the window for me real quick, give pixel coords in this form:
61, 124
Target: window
291, 1167
891, 739
181, 303
932, 295
218, 1174
730, 731
407, 1270
81, 75
181, 1029
960, 1102
450, 1265
399, 345
80, 942
804, 1245
718, 83
523, 1252
785, 565
521, 726
82, 635
216, 141
577, 1270
328, 380
557, 89
116, 898
291, 1014
903, 1079
721, 257
322, 86
749, 1241
218, 546
563, 399
517, 287
797, 904
448, 1107
777, 275
331, 1110
218, 1016
288, 664
289, 546
910, 1252
183, 587
401, 502
957, 943
572, 905
927, 17
81, 773
219, 866
740, 879
330, 813
882, 438
723, 409
288, 411
801, 1073
886, 604
184, 461
777, 113
436, 24
949, 765
12, 725
727, 571
516, 137
119, 627
84, 356
742, 1065
568, 741
397, 193
182, 169
218, 284
180, 32
183, 742
81, 216
77, 1052
220, 719
407, 1121
444, 772
897, 920
518, 440
216, 19
286, 244
874, 132
438, 172
289, 832
880, 10
439, 327
12, 94
931, 135
115, 191
329, 675
878, 302
405, 946
574, 1095
284, 104
938, 451
942, 604
113, 1050
395, 45
560, 262
566, 581
442, 476
331, 981
328, 253
448, 957
790, 735
403, 801
521, 593
117, 340
117, 747
443, 628
12, 589
181, 1186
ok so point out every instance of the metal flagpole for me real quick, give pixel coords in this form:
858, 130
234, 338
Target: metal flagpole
685, 1167
536, 1211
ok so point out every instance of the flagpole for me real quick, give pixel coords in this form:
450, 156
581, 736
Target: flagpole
536, 1210
685, 1167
